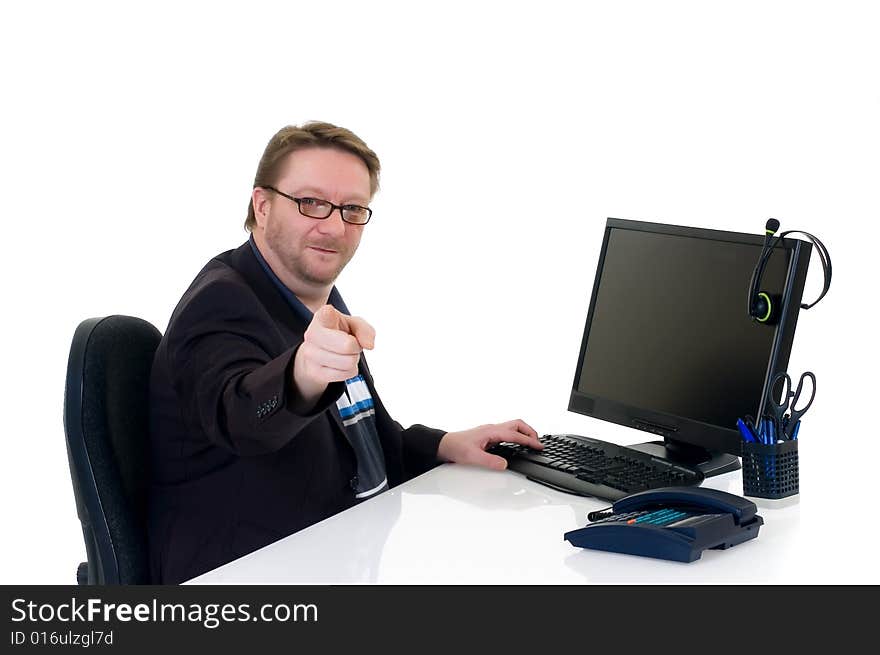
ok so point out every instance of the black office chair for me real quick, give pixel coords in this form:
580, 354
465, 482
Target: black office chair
106, 402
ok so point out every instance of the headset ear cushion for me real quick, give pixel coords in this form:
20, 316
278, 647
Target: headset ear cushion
762, 309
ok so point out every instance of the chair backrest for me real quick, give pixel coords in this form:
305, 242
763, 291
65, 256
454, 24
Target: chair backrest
106, 424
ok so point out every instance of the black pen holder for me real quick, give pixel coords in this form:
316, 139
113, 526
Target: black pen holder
770, 471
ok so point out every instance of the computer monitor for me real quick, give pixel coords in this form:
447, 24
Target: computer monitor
669, 346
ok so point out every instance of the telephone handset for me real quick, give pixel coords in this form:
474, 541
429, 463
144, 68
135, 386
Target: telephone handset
676, 523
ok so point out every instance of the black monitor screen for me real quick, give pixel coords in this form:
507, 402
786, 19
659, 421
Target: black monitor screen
669, 331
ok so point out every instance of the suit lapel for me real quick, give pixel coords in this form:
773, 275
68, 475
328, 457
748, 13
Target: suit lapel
242, 259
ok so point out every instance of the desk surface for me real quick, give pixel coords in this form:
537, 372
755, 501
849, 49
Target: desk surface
463, 525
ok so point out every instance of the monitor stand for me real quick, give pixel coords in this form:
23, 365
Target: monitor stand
710, 463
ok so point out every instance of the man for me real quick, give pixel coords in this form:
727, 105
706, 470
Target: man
264, 416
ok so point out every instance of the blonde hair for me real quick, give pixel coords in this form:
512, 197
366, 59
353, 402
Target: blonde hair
314, 134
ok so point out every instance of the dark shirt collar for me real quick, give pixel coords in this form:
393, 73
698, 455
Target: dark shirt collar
296, 304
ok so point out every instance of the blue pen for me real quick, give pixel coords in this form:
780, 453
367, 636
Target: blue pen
750, 428
745, 431
797, 426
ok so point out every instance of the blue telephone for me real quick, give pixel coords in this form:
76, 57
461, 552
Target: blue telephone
676, 523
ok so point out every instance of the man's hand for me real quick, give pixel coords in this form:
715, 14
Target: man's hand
330, 352
469, 446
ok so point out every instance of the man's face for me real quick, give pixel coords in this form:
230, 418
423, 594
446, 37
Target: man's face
314, 251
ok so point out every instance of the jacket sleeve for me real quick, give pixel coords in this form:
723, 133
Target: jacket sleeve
230, 386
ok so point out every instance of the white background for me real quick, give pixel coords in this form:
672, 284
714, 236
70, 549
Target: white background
507, 131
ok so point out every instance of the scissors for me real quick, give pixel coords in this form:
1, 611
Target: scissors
785, 424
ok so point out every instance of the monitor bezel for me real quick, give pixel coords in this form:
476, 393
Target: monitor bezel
678, 429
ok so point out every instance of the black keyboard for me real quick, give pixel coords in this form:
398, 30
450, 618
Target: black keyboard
590, 467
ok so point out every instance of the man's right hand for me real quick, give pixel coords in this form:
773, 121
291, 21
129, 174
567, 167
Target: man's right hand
330, 352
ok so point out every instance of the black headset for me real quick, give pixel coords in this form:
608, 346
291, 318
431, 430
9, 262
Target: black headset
762, 305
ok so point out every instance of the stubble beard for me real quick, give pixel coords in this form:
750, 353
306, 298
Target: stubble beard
295, 261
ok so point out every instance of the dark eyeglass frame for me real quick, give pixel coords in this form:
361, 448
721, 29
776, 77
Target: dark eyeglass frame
333, 207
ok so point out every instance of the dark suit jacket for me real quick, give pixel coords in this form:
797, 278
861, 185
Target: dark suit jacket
233, 466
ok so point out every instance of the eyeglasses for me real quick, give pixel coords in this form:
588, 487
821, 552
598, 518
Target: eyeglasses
317, 208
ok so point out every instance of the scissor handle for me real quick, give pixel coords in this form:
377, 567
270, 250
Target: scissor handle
786, 391
796, 412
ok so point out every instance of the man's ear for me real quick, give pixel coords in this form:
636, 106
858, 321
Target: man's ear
260, 202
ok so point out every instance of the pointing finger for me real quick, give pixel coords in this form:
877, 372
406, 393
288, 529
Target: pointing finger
332, 319
339, 333
362, 331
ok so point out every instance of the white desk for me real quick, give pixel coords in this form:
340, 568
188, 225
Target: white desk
463, 525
